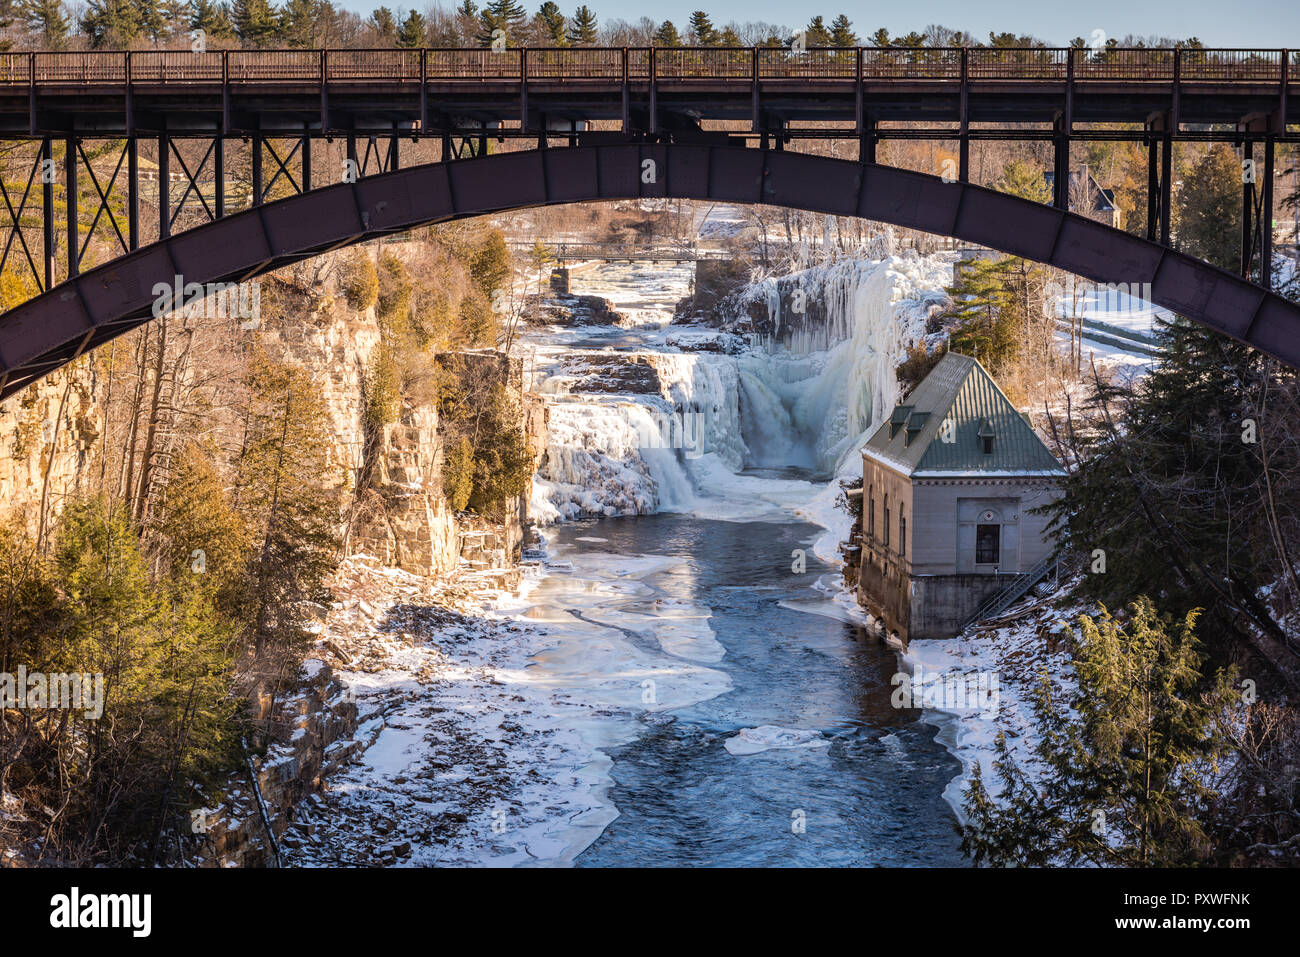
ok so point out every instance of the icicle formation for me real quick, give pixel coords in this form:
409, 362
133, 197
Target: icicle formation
827, 371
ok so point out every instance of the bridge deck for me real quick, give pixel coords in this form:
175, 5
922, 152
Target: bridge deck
378, 90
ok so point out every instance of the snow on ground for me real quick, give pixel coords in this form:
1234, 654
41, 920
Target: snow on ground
484, 716
1016, 653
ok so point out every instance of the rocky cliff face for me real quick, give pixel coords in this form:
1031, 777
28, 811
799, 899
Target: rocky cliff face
393, 506
48, 435
402, 518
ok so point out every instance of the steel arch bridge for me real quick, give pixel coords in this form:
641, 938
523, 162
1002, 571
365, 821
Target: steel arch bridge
89, 309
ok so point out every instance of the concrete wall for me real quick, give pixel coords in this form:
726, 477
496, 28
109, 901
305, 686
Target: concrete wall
927, 584
942, 604
946, 512
877, 483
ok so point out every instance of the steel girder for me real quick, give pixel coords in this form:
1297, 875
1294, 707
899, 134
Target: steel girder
83, 312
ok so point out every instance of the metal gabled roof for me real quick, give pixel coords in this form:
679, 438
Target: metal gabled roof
959, 400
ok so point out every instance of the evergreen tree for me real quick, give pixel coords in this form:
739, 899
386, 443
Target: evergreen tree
582, 27
1208, 203
842, 34
702, 33
152, 20
985, 305
881, 38
1170, 491
667, 35
551, 26
164, 654
1025, 180
204, 540
489, 264
46, 19
256, 22
412, 34
212, 18
292, 514
111, 23
175, 15
816, 34
384, 24
504, 15
1125, 760
298, 23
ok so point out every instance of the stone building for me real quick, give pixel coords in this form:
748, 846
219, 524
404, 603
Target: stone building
948, 484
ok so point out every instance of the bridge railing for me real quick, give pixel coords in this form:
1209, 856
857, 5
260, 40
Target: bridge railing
583, 63
176, 66
1020, 63
400, 65
1230, 64
89, 67
472, 65
812, 63
1124, 64
704, 63
920, 63
254, 65
460, 64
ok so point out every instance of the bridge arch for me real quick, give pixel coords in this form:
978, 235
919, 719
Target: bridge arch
82, 313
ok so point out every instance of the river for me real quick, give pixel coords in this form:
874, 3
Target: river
872, 796
679, 630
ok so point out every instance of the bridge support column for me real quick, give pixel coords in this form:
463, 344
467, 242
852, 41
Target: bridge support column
164, 186
1248, 231
867, 140
963, 138
1160, 160
257, 169
1153, 187
219, 168
1166, 186
1266, 219
654, 95
133, 192
306, 161
70, 175
1061, 167
47, 210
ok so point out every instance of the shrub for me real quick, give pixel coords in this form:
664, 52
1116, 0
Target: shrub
361, 282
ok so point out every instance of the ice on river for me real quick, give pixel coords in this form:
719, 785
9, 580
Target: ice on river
769, 737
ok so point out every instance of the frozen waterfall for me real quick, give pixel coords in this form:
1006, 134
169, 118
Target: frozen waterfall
806, 395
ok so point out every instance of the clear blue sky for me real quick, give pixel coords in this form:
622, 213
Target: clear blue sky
1261, 23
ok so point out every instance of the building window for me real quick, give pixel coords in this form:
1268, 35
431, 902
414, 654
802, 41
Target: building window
871, 510
886, 521
988, 445
988, 544
902, 532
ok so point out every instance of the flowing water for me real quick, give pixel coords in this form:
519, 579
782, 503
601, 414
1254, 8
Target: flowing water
679, 630
872, 797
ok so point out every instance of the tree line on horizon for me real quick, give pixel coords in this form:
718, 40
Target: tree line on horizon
303, 24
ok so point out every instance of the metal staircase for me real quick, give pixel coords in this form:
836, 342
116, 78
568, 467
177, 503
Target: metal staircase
1000, 601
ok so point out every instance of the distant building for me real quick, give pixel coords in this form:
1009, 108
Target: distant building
947, 484
1089, 198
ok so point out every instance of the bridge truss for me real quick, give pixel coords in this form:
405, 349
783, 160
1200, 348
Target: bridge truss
109, 154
